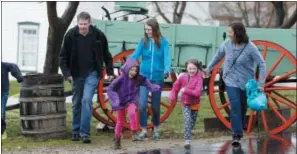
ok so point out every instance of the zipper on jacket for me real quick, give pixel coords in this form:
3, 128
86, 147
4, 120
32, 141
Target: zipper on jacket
152, 62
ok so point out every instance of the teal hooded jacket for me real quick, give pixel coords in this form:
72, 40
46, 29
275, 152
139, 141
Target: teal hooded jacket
155, 61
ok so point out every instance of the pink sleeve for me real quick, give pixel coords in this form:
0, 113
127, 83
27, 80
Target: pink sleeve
197, 91
175, 89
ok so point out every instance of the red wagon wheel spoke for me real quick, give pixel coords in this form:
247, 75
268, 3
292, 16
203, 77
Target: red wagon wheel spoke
249, 128
276, 103
283, 97
104, 104
97, 107
165, 105
280, 78
264, 121
276, 112
265, 52
280, 88
281, 101
223, 106
275, 65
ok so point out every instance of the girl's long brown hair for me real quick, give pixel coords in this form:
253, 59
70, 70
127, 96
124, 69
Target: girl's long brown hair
156, 32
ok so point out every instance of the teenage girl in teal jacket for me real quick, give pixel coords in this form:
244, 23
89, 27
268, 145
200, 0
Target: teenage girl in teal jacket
155, 66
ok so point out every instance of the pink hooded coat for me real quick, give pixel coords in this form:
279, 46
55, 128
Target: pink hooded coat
193, 88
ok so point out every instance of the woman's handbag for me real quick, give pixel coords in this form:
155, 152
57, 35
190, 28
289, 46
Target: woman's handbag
256, 99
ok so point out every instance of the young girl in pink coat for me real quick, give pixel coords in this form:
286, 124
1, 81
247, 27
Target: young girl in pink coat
190, 84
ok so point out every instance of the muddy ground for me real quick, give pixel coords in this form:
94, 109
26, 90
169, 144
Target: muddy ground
127, 147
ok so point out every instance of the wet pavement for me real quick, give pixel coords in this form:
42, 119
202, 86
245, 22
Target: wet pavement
278, 144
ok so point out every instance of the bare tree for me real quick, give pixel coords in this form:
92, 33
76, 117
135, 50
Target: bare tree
177, 14
57, 29
279, 12
256, 14
291, 21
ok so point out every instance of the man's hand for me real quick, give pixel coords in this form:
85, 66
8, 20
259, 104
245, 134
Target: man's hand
110, 78
70, 79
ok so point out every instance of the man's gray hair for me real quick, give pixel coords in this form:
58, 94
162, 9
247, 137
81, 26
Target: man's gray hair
84, 15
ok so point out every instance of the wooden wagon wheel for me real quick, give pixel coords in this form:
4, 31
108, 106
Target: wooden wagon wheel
273, 88
118, 61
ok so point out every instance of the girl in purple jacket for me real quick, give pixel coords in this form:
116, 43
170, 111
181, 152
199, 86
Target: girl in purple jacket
123, 94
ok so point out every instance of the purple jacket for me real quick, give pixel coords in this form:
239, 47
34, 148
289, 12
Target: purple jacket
123, 90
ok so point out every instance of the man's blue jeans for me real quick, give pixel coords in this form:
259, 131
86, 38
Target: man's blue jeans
83, 92
156, 99
4, 97
238, 109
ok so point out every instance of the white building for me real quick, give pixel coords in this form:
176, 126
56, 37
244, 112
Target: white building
25, 28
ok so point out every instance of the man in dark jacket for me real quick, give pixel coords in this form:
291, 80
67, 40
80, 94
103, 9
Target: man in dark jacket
15, 72
83, 52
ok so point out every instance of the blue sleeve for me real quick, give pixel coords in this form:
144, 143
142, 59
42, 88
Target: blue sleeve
138, 51
261, 63
167, 56
218, 56
15, 72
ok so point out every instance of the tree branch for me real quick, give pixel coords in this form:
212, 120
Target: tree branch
244, 13
175, 13
193, 17
279, 12
52, 13
270, 18
257, 13
70, 12
182, 11
161, 13
291, 21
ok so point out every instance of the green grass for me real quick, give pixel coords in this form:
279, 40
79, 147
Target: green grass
17, 141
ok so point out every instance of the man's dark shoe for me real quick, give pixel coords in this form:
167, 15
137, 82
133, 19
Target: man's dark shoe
75, 137
86, 140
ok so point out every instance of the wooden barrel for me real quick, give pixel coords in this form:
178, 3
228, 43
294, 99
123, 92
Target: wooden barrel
42, 106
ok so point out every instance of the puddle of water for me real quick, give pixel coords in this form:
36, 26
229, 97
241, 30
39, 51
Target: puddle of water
284, 143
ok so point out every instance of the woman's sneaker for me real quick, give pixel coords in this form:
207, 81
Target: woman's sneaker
187, 144
156, 136
141, 136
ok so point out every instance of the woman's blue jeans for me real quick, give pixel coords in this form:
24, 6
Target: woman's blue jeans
238, 104
156, 99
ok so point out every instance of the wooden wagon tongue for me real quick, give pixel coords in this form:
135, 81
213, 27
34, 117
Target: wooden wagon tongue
42, 106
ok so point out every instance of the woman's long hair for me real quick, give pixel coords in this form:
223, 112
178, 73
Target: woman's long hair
239, 32
156, 32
